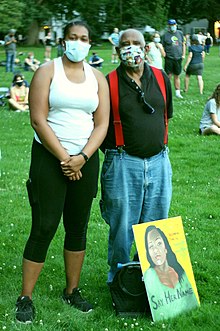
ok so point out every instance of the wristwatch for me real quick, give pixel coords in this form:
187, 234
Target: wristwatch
84, 155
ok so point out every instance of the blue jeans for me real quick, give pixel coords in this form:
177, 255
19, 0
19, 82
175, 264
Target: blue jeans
207, 48
10, 60
134, 190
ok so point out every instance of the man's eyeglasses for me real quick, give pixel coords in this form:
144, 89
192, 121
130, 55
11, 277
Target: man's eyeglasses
147, 107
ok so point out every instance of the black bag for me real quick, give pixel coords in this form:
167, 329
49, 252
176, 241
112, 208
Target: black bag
128, 291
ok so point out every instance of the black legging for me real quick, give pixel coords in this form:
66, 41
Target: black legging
52, 194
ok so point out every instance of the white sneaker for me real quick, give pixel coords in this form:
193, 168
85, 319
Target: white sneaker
179, 96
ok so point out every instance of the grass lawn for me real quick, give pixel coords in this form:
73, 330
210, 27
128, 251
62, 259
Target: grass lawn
196, 182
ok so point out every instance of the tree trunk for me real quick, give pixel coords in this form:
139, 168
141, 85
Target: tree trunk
211, 29
33, 34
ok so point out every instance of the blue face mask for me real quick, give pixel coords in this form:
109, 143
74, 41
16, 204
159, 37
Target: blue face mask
173, 28
76, 50
157, 39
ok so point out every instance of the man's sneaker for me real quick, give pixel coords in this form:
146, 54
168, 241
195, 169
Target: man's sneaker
25, 310
75, 299
179, 96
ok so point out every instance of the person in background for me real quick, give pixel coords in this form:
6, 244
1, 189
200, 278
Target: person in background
60, 47
136, 179
30, 63
210, 121
69, 111
208, 43
10, 50
174, 45
201, 38
155, 52
18, 100
114, 38
95, 60
187, 40
48, 47
194, 63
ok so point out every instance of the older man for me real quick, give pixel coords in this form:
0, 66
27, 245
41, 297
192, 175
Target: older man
136, 177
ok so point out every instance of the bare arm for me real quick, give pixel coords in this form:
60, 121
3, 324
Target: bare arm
12, 93
39, 108
161, 49
111, 41
13, 40
101, 121
184, 50
215, 120
188, 60
26, 95
101, 116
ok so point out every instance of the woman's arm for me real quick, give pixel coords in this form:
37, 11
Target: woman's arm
101, 116
215, 119
189, 58
12, 93
39, 108
161, 49
26, 95
101, 121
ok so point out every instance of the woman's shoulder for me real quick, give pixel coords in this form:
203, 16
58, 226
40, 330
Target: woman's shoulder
211, 105
97, 73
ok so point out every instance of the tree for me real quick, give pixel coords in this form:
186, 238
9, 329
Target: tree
10, 19
187, 10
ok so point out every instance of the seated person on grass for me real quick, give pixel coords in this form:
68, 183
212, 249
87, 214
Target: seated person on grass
210, 121
18, 94
30, 63
95, 61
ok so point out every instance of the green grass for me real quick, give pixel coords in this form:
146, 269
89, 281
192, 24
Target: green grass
196, 182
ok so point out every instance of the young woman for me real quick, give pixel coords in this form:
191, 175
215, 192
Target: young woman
155, 52
194, 64
18, 94
70, 119
210, 121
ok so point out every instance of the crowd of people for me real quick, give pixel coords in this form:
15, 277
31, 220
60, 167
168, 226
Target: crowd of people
77, 113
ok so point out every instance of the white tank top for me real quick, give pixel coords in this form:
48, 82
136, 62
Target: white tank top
71, 107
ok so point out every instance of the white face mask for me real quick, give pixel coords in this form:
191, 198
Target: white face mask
173, 28
157, 39
132, 56
76, 50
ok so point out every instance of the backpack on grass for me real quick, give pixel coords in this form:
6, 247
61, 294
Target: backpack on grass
129, 297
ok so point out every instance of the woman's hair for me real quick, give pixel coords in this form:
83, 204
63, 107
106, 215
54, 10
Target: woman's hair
216, 95
171, 257
16, 77
194, 39
75, 23
153, 35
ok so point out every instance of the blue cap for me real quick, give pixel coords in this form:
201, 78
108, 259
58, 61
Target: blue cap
171, 22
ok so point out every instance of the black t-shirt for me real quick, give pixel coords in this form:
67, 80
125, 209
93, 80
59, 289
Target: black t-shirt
143, 132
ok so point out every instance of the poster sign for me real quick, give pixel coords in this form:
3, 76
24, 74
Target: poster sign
166, 267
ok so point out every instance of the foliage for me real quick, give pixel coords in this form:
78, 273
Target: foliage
11, 19
187, 10
28, 15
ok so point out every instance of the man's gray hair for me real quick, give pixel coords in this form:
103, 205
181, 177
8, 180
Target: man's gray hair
131, 30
